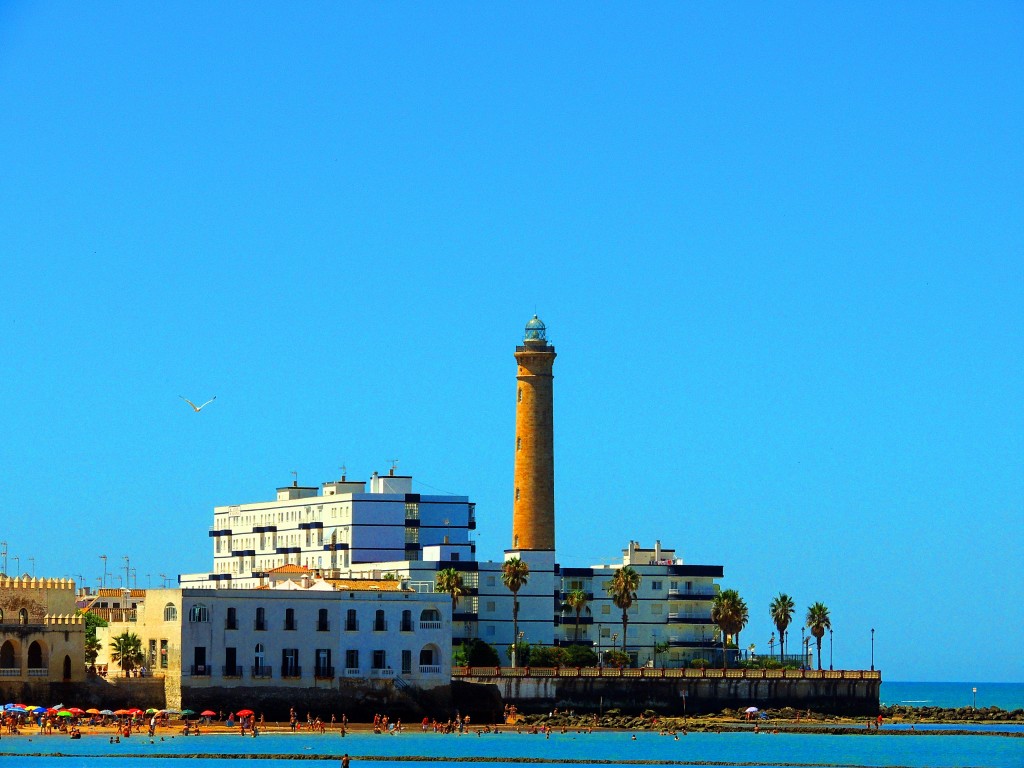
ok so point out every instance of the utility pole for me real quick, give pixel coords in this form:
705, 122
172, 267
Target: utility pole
33, 561
127, 568
103, 583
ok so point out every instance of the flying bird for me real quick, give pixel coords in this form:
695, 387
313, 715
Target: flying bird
197, 408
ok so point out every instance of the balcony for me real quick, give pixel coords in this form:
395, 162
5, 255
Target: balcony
10, 672
290, 626
291, 672
352, 672
262, 671
382, 673
380, 626
689, 618
693, 593
38, 671
323, 626
231, 671
230, 623
323, 672
200, 670
430, 625
351, 626
430, 669
259, 626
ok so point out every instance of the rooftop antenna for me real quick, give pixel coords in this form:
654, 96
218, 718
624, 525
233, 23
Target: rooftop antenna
394, 466
3, 554
344, 472
295, 479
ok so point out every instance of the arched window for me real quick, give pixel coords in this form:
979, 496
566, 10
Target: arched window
199, 613
67, 668
430, 614
23, 616
170, 612
8, 658
427, 657
35, 656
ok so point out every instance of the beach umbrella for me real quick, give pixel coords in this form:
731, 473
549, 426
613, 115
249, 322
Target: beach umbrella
135, 711
173, 711
244, 713
152, 711
105, 712
751, 709
208, 713
93, 711
187, 713
38, 710
76, 711
64, 713
120, 712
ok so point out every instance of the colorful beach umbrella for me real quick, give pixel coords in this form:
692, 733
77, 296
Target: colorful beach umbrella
208, 713
106, 712
187, 713
152, 711
76, 711
93, 711
64, 713
244, 712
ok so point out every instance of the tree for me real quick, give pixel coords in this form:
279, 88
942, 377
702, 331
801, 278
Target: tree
126, 649
661, 647
92, 645
729, 612
576, 601
477, 653
818, 621
449, 581
514, 575
580, 656
622, 589
781, 610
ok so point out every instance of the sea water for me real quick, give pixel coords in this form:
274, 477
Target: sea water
444, 751
1008, 696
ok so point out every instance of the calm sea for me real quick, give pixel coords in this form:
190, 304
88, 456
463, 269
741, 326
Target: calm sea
618, 749
1007, 696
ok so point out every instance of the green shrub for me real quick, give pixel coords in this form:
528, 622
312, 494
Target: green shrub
477, 653
579, 656
700, 664
546, 656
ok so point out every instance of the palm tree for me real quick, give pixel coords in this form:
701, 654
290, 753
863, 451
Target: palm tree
449, 581
514, 575
729, 612
818, 621
622, 589
126, 649
781, 610
576, 601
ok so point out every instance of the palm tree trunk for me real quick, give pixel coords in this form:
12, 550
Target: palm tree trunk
515, 621
625, 624
819, 654
576, 636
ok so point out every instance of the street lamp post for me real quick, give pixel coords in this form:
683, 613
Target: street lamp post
803, 647
104, 582
17, 565
615, 639
771, 645
33, 561
872, 649
975, 692
830, 649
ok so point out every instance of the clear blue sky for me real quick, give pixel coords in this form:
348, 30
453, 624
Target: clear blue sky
778, 249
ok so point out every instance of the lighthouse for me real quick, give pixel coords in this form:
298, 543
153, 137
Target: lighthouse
533, 504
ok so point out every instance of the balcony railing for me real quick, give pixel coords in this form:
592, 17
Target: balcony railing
262, 671
322, 672
692, 592
352, 672
323, 626
38, 672
290, 626
351, 626
291, 671
10, 672
430, 669
232, 671
200, 670
382, 673
259, 626
430, 625
675, 672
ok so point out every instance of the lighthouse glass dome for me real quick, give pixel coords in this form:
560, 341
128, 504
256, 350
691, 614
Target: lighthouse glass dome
535, 330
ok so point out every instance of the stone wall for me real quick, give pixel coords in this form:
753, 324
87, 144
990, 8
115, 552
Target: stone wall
687, 695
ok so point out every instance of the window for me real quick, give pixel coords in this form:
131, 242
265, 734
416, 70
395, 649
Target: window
231, 622
380, 660
323, 663
351, 623
489, 606
517, 494
351, 659
1, 615
260, 625
406, 662
407, 621
290, 663
519, 443
23, 616
322, 625
259, 662
519, 395
379, 624
199, 613
606, 609
605, 632
163, 654
655, 586
656, 609
490, 581
289, 619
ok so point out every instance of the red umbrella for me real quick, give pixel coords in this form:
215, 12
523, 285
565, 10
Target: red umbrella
135, 711
120, 712
76, 711
245, 712
208, 713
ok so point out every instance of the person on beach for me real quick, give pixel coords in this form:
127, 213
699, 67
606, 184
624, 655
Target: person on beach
344, 760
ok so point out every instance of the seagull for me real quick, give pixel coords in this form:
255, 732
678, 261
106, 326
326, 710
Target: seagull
197, 408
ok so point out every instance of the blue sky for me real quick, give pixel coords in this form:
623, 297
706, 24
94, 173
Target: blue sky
778, 249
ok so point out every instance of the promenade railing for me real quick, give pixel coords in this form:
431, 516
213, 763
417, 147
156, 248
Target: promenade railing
668, 672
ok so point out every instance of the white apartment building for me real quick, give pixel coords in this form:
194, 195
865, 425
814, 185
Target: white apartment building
672, 609
333, 529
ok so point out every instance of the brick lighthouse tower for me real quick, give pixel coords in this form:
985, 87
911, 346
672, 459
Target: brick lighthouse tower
533, 505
